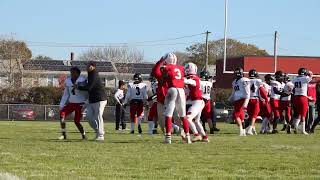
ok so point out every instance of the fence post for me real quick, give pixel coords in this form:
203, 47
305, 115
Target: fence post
45, 112
8, 115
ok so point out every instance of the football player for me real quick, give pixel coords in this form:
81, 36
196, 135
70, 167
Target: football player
276, 91
175, 99
285, 103
153, 115
265, 109
162, 90
256, 91
300, 99
137, 97
73, 101
206, 87
240, 98
194, 112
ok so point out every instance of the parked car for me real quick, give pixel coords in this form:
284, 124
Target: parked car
23, 113
224, 113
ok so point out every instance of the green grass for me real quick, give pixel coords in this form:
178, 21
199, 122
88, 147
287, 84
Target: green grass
30, 150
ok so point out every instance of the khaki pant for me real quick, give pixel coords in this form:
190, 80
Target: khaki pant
95, 117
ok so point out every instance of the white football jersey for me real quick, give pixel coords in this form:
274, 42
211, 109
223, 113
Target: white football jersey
288, 88
301, 85
206, 89
279, 86
255, 84
154, 86
72, 95
136, 91
241, 89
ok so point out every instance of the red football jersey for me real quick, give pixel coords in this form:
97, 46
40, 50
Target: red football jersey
195, 92
162, 86
174, 75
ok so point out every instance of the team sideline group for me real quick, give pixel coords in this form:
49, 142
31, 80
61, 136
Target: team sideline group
178, 97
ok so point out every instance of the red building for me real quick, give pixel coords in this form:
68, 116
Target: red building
264, 64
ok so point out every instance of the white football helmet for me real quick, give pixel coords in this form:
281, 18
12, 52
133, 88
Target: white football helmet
170, 58
190, 68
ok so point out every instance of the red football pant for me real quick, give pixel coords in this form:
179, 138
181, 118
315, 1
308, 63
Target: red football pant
301, 105
153, 112
265, 109
207, 110
72, 107
136, 109
275, 107
286, 107
238, 109
253, 108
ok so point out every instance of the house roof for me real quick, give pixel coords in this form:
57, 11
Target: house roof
143, 68
102, 66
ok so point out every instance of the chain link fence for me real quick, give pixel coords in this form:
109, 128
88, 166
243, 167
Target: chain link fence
34, 112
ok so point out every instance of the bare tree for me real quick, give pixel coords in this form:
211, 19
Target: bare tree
13, 54
114, 54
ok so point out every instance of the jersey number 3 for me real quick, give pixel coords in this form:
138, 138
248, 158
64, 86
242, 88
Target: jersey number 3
177, 71
138, 91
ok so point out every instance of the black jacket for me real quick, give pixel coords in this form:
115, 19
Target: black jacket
96, 90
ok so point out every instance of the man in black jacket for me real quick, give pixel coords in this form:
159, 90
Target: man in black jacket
97, 100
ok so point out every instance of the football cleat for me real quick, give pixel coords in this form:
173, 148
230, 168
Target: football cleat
205, 139
188, 139
243, 132
62, 137
167, 139
100, 138
197, 138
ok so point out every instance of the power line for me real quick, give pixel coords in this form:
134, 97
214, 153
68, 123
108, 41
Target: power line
101, 46
107, 44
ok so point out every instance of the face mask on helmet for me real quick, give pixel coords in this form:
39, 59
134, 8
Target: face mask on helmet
137, 78
253, 73
302, 71
238, 72
204, 75
170, 58
190, 68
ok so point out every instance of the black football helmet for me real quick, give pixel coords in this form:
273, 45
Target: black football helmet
238, 72
278, 75
268, 77
253, 73
286, 78
137, 77
302, 72
205, 75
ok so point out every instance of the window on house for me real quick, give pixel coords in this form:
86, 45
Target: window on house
103, 80
50, 80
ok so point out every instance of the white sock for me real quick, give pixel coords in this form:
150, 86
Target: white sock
132, 126
151, 125
303, 126
296, 123
241, 129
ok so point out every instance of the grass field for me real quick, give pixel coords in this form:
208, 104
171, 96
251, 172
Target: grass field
30, 150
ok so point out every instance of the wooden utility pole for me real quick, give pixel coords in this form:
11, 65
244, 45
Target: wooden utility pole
275, 50
207, 50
